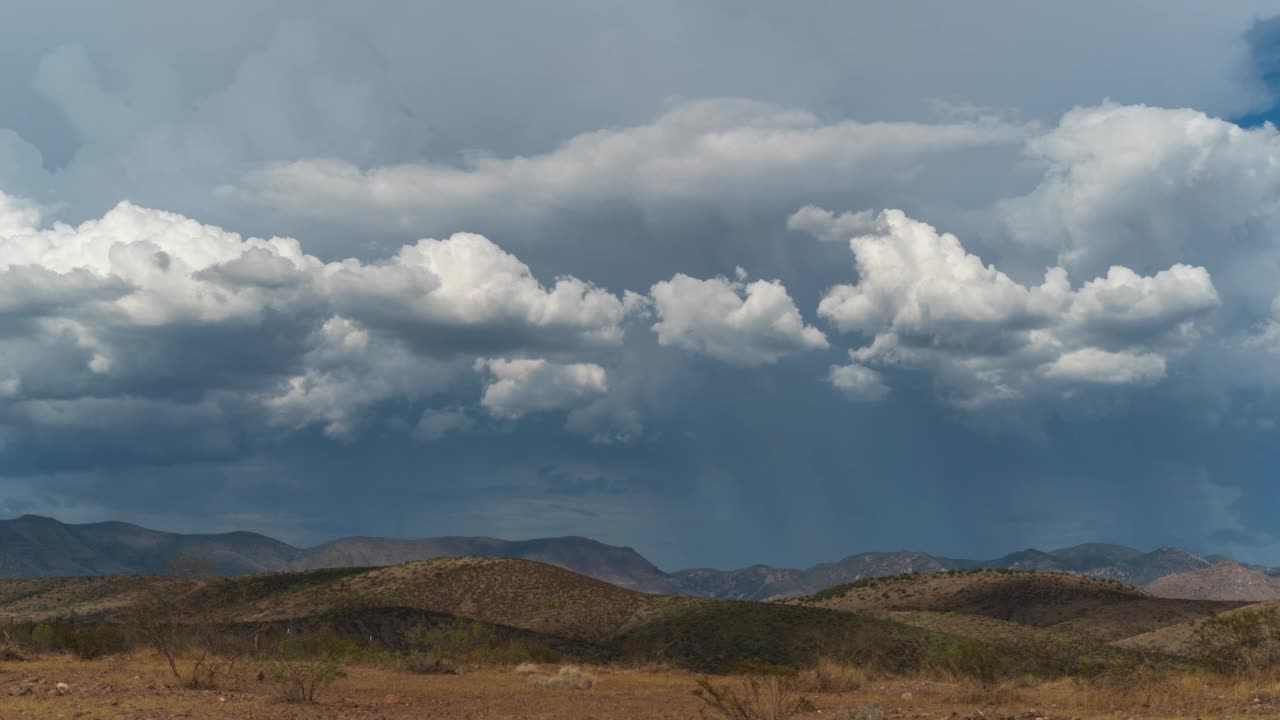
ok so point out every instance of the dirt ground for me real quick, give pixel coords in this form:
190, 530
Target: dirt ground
136, 689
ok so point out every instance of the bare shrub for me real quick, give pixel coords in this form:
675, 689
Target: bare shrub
756, 698
299, 678
569, 678
10, 648
186, 626
832, 676
527, 669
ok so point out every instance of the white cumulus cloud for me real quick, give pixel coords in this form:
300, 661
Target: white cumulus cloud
525, 385
858, 382
149, 308
739, 322
923, 301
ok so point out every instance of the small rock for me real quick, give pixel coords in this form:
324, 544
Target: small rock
62, 688
907, 696
28, 690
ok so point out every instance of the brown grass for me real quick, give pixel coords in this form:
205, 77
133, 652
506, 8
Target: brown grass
569, 677
134, 687
832, 676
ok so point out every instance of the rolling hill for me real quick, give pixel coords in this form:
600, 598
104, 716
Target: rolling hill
1179, 639
555, 608
1225, 580
1093, 608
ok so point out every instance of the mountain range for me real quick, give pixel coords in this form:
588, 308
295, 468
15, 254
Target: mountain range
34, 546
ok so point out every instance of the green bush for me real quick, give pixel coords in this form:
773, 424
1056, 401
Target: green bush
86, 641
967, 657
474, 642
303, 667
1244, 641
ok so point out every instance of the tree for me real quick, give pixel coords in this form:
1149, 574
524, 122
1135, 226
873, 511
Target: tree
183, 617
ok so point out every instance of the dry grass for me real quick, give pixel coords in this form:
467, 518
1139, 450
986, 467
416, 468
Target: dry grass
833, 676
1174, 694
860, 712
753, 698
569, 677
134, 687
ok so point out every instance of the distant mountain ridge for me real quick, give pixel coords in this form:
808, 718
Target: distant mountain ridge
1114, 562
34, 546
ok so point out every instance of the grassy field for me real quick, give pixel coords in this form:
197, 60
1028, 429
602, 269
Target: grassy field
136, 688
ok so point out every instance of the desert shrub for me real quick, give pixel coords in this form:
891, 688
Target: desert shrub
973, 659
454, 640
1243, 642
301, 670
832, 676
475, 642
10, 647
86, 641
569, 678
427, 663
527, 669
755, 698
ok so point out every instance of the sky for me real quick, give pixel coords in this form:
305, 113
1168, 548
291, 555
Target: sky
726, 282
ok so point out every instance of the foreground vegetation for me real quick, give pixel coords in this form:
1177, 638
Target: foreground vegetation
136, 686
884, 649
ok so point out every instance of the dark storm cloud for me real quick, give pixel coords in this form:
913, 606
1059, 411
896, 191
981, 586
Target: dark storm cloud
593, 360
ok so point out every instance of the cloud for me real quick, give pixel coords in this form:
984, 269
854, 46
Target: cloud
829, 227
858, 382
1146, 187
521, 386
606, 421
731, 154
435, 423
1091, 365
735, 321
468, 292
923, 301
346, 371
151, 309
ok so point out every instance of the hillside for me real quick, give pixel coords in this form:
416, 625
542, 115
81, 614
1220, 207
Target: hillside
1225, 580
1098, 609
560, 608
1180, 638
620, 566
